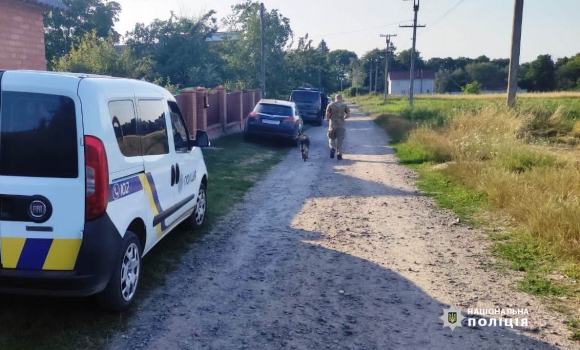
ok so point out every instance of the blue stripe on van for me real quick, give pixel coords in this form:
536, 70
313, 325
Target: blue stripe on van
34, 254
125, 187
156, 198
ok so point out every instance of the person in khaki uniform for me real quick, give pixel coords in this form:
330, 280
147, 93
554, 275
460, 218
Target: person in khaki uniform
336, 112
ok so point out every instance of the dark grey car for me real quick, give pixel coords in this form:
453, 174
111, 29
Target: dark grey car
311, 102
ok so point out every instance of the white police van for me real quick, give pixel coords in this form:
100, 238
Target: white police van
94, 171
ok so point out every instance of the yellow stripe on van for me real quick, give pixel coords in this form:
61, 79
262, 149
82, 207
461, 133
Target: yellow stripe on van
63, 254
150, 199
11, 250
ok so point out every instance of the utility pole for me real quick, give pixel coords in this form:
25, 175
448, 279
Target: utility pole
371, 76
377, 70
515, 54
388, 36
414, 26
262, 52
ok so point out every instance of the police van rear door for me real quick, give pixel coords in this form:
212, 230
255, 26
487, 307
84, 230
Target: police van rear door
42, 174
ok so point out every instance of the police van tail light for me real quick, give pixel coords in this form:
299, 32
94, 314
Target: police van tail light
97, 178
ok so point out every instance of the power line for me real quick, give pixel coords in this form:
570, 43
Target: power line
359, 30
447, 13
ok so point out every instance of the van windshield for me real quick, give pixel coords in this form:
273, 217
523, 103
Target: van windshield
305, 96
38, 135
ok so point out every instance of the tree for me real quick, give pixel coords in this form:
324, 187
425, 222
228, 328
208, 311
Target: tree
568, 73
178, 48
63, 29
242, 55
404, 59
482, 59
437, 63
473, 88
442, 81
307, 65
540, 75
340, 58
488, 75
96, 55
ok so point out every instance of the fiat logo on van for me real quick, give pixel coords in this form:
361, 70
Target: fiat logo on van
37, 209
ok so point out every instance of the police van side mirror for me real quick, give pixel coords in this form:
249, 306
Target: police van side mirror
201, 139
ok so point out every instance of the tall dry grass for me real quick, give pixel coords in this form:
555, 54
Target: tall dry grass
538, 189
534, 95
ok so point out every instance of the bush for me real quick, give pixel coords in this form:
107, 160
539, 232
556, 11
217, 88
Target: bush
472, 88
397, 127
428, 116
352, 91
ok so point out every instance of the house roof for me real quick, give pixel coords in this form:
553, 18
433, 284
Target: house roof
404, 75
52, 4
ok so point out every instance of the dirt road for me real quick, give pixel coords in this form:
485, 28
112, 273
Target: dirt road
337, 255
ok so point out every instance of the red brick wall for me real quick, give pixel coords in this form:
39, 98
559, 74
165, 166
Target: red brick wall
21, 36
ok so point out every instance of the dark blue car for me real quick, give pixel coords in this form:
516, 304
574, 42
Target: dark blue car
274, 118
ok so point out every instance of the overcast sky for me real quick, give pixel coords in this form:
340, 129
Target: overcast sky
455, 28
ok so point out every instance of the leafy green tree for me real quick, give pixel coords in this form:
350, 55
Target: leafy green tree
490, 76
307, 65
437, 63
96, 55
568, 73
178, 47
242, 54
65, 28
404, 59
340, 59
473, 88
541, 75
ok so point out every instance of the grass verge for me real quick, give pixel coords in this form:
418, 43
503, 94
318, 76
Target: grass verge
58, 324
485, 162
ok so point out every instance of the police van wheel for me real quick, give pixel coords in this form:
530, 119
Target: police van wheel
122, 288
197, 218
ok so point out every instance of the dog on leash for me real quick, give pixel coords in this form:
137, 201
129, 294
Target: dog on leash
304, 143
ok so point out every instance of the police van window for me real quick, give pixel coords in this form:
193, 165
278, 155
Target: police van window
125, 125
38, 135
153, 127
180, 136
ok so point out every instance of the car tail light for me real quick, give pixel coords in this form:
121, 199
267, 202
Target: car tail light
253, 115
290, 119
96, 177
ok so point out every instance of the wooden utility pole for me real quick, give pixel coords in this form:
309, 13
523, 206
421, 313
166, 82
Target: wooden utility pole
414, 26
262, 53
388, 36
377, 70
371, 76
515, 54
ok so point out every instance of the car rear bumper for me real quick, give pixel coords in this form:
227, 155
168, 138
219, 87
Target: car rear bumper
311, 116
96, 260
274, 131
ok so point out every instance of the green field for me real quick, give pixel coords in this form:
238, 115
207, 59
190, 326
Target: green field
513, 172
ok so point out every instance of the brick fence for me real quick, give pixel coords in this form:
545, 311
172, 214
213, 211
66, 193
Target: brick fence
217, 112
